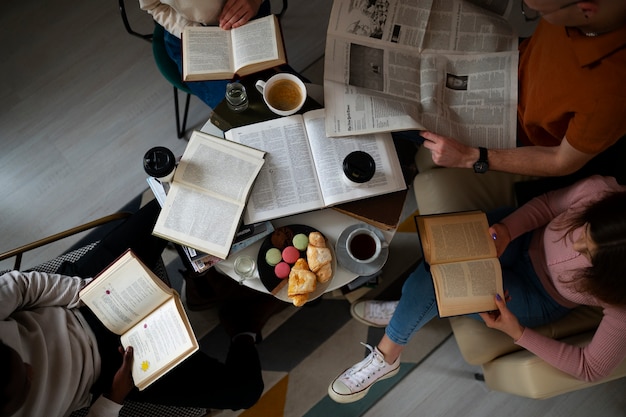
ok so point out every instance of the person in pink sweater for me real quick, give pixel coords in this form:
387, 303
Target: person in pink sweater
560, 250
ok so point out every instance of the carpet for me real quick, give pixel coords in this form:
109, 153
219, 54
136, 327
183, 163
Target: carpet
305, 348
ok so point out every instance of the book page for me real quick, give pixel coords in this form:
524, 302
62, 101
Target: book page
219, 167
160, 342
287, 183
329, 153
124, 293
255, 42
206, 200
467, 287
206, 49
455, 237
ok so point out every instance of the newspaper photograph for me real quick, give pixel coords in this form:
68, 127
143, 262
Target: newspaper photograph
449, 66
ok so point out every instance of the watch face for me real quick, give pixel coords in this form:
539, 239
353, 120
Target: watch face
481, 167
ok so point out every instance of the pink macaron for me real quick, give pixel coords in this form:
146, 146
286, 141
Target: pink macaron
281, 270
291, 255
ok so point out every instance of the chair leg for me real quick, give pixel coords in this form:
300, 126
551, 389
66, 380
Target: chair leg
180, 129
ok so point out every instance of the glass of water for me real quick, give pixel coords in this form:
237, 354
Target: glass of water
236, 97
244, 268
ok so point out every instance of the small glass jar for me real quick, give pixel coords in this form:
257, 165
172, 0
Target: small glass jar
244, 267
236, 97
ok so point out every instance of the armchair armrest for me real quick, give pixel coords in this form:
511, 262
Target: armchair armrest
18, 252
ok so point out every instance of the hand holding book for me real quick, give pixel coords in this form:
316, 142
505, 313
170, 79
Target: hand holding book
461, 254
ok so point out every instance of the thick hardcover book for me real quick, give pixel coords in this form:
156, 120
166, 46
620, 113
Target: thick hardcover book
382, 211
304, 169
257, 111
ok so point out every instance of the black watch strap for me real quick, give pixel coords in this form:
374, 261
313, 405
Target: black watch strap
482, 165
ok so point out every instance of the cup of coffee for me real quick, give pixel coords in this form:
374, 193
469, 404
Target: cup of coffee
283, 93
363, 245
160, 163
358, 167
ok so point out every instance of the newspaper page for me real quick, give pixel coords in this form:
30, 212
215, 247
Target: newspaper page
250, 42
204, 205
447, 66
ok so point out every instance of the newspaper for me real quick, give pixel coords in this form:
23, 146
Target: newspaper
448, 66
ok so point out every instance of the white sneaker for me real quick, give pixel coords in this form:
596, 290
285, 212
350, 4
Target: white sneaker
374, 313
354, 383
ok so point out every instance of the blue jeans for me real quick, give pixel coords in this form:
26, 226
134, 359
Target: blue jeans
210, 92
530, 302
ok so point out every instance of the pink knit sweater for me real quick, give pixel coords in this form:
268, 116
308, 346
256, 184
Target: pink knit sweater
555, 260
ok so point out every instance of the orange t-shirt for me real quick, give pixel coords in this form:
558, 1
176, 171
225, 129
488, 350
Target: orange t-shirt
574, 86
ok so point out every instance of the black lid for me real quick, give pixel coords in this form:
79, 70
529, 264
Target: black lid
159, 162
359, 167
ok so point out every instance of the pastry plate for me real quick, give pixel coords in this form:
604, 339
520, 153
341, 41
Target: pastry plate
356, 267
277, 286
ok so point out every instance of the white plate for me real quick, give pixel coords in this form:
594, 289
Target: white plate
363, 269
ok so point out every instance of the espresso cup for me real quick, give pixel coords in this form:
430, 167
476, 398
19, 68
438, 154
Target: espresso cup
283, 93
363, 245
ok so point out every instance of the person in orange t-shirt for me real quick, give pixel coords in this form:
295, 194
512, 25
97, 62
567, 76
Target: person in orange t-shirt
572, 95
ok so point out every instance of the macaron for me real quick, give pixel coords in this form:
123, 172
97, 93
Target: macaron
300, 241
290, 254
273, 256
281, 270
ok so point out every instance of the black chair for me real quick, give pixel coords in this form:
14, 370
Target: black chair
168, 68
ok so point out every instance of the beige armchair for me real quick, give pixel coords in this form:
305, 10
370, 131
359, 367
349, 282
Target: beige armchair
506, 367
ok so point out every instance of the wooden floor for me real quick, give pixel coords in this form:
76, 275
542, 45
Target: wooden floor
81, 101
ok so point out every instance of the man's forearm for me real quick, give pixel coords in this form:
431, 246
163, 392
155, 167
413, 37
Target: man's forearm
544, 161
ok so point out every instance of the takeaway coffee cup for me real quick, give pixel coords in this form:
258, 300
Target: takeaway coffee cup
358, 167
160, 163
363, 245
283, 93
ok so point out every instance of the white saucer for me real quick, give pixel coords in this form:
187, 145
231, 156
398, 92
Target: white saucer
351, 265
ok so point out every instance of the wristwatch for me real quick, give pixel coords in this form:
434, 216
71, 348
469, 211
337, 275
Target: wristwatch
482, 165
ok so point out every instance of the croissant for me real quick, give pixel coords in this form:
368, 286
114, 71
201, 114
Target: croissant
302, 282
319, 257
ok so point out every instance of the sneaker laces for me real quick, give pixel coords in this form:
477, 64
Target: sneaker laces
382, 311
365, 370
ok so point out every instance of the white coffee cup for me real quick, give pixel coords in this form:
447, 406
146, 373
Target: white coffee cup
364, 246
283, 93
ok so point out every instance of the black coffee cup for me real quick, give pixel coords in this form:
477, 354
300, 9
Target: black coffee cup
160, 162
359, 167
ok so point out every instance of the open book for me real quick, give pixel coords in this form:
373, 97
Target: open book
463, 262
131, 301
448, 66
245, 236
212, 53
304, 170
208, 194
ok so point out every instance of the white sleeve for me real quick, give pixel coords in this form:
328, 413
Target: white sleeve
103, 407
27, 290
